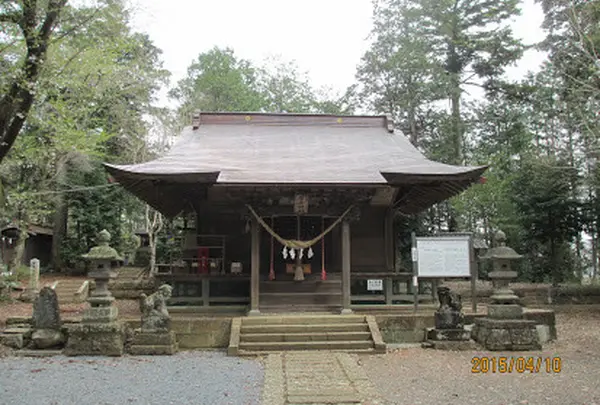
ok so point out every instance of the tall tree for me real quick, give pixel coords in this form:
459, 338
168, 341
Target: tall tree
399, 75
36, 22
218, 81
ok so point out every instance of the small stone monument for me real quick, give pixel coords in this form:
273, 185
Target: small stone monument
34, 278
504, 328
449, 332
46, 321
155, 336
100, 333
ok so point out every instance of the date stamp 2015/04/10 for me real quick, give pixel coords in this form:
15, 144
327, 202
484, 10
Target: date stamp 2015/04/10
521, 364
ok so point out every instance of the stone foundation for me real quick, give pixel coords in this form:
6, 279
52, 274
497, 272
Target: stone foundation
504, 334
153, 343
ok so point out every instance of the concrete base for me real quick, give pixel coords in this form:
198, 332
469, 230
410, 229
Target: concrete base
253, 312
347, 311
99, 339
153, 343
500, 334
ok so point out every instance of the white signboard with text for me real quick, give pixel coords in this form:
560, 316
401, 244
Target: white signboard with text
443, 256
375, 285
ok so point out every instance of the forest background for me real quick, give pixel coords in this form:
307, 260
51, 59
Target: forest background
79, 86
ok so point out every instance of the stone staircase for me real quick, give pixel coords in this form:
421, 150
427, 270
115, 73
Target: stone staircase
259, 335
72, 291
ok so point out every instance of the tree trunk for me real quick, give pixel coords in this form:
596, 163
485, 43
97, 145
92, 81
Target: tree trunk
17, 259
412, 122
61, 211
153, 227
457, 133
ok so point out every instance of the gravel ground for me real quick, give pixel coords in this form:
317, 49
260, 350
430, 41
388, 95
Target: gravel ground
202, 378
427, 377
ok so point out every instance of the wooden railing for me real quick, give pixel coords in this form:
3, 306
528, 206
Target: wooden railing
390, 295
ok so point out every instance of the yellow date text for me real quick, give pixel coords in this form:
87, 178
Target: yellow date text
521, 364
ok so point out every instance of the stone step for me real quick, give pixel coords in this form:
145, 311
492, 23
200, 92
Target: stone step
305, 328
254, 353
321, 345
12, 340
305, 337
38, 353
302, 319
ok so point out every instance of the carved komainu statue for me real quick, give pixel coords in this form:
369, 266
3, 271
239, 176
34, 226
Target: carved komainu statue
155, 317
449, 315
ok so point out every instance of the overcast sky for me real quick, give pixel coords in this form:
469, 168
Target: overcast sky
326, 38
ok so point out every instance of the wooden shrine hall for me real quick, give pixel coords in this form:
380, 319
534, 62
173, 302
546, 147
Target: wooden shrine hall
289, 212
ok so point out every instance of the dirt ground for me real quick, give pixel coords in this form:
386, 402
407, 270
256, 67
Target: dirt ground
127, 308
429, 377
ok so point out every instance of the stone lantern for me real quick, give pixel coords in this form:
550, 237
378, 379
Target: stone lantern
103, 259
504, 328
100, 333
504, 302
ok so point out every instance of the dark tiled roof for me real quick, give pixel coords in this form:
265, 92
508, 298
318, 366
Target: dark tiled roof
293, 149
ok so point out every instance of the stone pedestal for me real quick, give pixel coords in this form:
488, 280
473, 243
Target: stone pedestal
96, 339
153, 343
449, 339
506, 334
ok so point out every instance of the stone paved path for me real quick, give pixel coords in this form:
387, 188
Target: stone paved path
316, 377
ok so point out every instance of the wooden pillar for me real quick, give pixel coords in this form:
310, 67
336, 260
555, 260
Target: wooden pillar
346, 301
388, 234
206, 291
389, 293
254, 268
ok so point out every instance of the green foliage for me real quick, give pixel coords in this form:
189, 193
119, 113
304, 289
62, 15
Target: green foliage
548, 214
220, 81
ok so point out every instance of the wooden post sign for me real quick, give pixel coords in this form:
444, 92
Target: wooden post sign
444, 256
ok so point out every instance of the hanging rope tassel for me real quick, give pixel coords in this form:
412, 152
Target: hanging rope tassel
323, 272
271, 269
